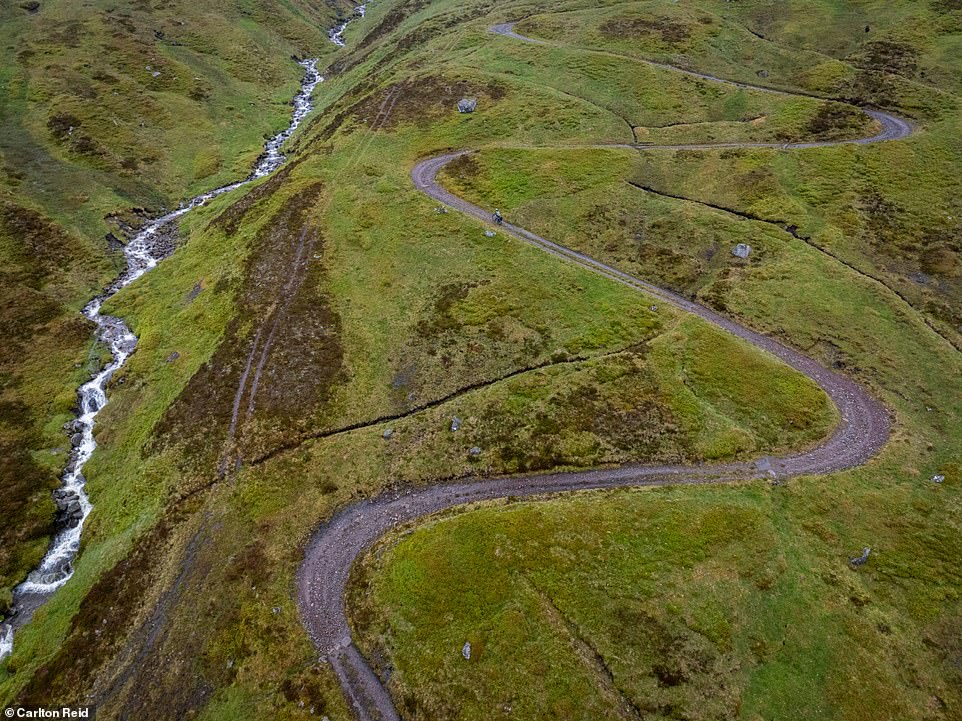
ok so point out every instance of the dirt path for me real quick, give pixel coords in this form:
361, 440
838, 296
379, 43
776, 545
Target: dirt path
892, 126
322, 578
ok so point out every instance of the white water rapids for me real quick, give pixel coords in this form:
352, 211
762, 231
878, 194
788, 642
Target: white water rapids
72, 502
336, 34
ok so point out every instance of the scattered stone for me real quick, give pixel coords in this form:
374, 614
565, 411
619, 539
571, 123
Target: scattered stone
455, 423
466, 650
230, 663
441, 210
742, 250
762, 73
474, 452
113, 242
388, 434
276, 610
490, 233
860, 560
172, 357
76, 439
938, 478
653, 308
467, 105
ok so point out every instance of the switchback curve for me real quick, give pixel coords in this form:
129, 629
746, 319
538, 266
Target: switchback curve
322, 578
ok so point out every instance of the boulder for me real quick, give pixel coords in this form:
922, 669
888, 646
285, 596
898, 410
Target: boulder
466, 650
467, 105
388, 434
455, 423
74, 426
860, 560
474, 452
742, 250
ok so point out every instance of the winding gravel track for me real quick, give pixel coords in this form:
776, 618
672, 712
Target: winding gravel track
322, 578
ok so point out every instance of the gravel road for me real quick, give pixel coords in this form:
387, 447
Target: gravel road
322, 578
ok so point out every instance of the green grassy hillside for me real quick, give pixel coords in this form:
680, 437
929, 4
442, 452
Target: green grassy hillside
364, 310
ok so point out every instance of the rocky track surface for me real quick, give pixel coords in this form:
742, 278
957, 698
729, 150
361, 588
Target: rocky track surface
322, 579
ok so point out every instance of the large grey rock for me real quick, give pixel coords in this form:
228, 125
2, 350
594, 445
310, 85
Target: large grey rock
742, 250
860, 560
388, 434
467, 105
466, 650
74, 426
455, 423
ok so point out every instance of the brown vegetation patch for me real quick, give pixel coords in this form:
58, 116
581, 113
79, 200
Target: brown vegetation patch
883, 221
668, 31
231, 218
397, 15
463, 169
440, 317
34, 248
887, 56
624, 420
422, 100
685, 665
833, 120
283, 340
941, 261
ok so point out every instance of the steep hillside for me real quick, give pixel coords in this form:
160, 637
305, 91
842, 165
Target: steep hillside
330, 333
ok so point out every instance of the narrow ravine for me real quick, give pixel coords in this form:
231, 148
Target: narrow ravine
142, 254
